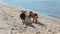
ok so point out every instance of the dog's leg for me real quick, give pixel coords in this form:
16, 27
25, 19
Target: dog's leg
36, 21
33, 20
23, 21
29, 19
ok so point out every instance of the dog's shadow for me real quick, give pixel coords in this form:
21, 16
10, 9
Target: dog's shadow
38, 22
30, 24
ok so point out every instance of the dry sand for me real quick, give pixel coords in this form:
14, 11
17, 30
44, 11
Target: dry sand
10, 23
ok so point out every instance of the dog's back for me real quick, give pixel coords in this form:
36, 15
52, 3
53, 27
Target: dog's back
33, 15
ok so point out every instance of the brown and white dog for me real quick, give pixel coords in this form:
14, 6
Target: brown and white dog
25, 17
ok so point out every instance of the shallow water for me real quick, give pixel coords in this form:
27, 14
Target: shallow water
45, 7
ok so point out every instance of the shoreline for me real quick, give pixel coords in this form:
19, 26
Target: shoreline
50, 16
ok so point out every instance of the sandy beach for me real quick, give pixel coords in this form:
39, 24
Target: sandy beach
10, 23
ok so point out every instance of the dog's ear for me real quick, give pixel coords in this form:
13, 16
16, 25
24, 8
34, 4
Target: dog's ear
22, 11
25, 11
30, 12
